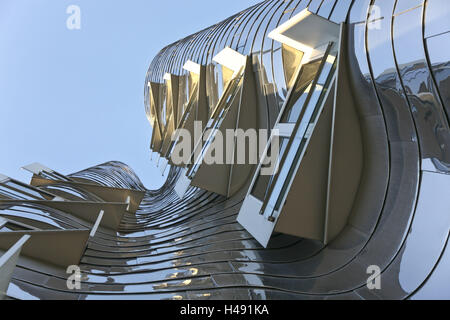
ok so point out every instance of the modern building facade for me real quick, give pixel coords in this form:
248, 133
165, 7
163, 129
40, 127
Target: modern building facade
354, 98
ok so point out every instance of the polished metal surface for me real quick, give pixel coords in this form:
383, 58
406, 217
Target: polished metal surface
397, 61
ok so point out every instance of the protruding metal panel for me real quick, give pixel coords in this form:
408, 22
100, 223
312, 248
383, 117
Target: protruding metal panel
57, 247
108, 194
8, 262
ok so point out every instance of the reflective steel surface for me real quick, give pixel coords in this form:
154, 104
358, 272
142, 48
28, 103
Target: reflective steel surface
193, 248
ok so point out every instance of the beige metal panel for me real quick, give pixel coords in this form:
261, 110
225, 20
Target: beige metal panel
83, 180
86, 211
202, 111
156, 141
162, 116
8, 263
241, 114
346, 154
157, 131
183, 97
108, 194
303, 212
189, 126
227, 75
172, 111
174, 91
59, 247
260, 79
198, 110
215, 177
241, 174
154, 100
167, 139
213, 84
329, 174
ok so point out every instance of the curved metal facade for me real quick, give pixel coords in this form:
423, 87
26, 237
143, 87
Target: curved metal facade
397, 66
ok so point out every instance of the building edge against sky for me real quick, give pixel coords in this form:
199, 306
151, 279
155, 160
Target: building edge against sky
358, 94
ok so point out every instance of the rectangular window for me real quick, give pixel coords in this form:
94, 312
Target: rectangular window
231, 92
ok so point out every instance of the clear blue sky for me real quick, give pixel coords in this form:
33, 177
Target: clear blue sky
71, 99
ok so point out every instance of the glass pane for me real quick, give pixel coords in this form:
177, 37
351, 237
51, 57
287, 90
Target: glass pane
291, 61
263, 182
299, 139
183, 97
214, 84
164, 104
300, 92
303, 86
219, 114
187, 108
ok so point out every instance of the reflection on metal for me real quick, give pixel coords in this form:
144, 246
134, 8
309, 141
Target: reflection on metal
379, 147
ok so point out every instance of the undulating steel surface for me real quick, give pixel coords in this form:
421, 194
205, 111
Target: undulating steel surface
193, 248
